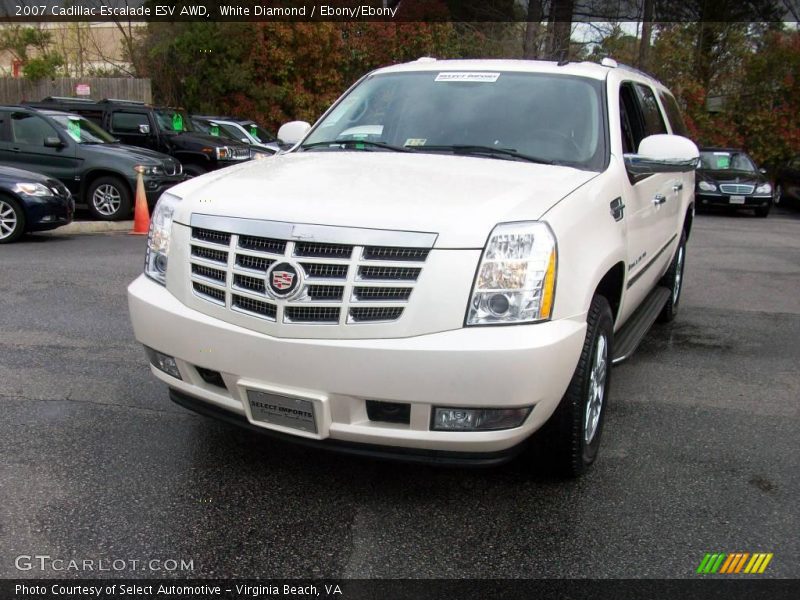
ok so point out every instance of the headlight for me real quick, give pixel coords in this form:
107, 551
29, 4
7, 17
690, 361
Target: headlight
707, 186
149, 170
223, 153
33, 189
516, 279
155, 264
764, 188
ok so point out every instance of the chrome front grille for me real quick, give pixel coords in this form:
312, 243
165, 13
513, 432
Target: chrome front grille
736, 188
341, 284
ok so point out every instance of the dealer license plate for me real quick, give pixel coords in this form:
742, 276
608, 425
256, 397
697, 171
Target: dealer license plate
737, 199
282, 410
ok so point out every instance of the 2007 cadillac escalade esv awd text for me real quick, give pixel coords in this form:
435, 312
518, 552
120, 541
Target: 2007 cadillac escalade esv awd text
450, 260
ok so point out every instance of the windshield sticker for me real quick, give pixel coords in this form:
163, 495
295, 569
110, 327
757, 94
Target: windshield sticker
416, 142
464, 76
74, 129
177, 122
254, 131
214, 129
723, 161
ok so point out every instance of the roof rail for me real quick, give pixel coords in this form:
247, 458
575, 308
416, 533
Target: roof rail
122, 101
66, 99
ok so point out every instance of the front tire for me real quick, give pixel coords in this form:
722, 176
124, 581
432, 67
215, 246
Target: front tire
763, 212
673, 281
570, 439
193, 171
12, 220
109, 199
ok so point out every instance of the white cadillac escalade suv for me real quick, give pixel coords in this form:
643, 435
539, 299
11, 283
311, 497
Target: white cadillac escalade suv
448, 261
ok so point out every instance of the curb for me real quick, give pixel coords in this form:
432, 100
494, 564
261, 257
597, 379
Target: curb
78, 227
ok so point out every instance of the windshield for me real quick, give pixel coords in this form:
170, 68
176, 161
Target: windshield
551, 118
259, 133
214, 128
172, 120
726, 161
82, 130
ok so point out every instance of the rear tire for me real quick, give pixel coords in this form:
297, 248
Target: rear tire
12, 220
109, 199
673, 281
570, 439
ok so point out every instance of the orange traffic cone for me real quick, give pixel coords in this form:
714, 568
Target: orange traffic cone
141, 214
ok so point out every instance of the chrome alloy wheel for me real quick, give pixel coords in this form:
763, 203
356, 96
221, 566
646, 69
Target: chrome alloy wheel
676, 289
597, 388
8, 220
107, 200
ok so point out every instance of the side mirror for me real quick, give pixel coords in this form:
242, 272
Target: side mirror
763, 171
144, 128
293, 132
53, 142
663, 153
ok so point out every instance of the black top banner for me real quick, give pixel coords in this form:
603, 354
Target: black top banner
402, 10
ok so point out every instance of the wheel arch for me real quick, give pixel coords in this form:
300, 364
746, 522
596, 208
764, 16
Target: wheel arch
610, 287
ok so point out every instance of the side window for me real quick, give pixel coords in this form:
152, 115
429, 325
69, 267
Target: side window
5, 134
631, 124
653, 122
673, 114
27, 128
128, 122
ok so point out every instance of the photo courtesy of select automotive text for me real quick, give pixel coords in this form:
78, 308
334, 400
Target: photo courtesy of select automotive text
399, 299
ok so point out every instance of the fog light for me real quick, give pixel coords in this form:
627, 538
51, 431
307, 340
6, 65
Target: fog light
162, 362
478, 419
48, 218
499, 305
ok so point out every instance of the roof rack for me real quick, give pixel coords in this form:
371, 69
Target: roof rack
67, 99
121, 101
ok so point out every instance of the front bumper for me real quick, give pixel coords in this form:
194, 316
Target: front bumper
526, 365
43, 214
724, 200
155, 186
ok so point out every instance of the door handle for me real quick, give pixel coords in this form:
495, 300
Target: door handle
15, 149
677, 187
659, 199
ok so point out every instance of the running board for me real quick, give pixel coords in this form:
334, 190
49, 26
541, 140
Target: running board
627, 339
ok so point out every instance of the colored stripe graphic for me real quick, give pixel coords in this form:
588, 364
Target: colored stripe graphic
729, 563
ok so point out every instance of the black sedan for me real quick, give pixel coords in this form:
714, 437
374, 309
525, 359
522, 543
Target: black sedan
31, 202
729, 178
787, 182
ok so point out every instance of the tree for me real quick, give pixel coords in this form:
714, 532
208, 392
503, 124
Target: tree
20, 41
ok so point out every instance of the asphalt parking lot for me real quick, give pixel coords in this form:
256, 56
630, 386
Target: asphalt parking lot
700, 451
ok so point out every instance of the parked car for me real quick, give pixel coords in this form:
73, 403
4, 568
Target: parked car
787, 182
448, 262
729, 178
243, 130
97, 170
164, 129
31, 202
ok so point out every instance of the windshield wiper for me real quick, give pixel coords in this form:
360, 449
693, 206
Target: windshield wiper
351, 143
485, 151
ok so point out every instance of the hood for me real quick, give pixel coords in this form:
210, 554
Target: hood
730, 176
14, 175
204, 139
138, 155
461, 198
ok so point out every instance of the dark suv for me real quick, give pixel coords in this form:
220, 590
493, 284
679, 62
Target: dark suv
99, 172
166, 130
